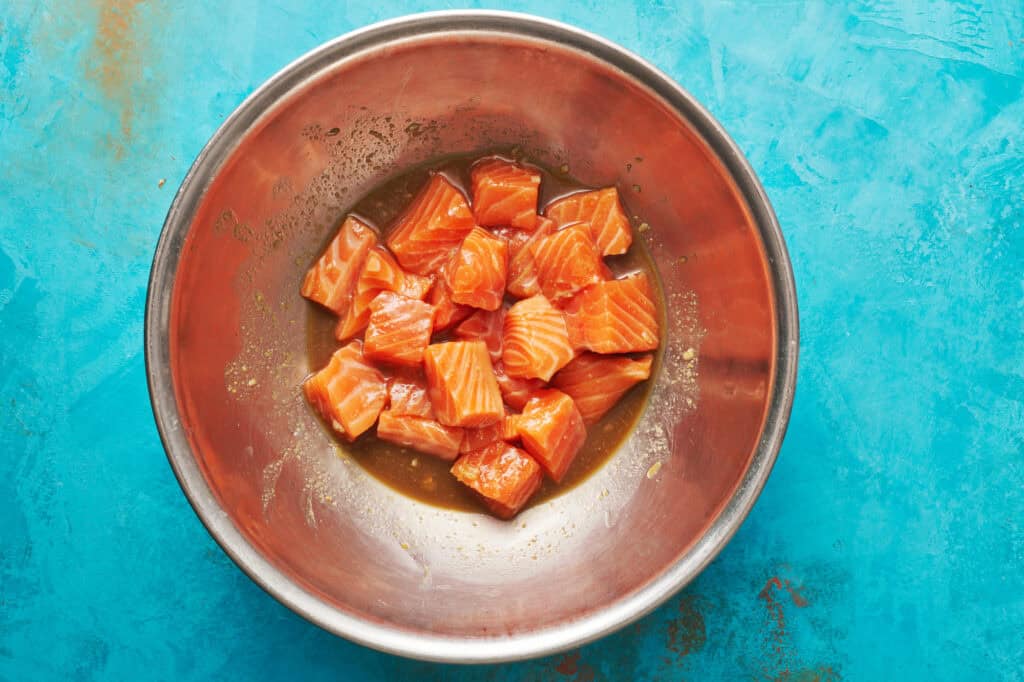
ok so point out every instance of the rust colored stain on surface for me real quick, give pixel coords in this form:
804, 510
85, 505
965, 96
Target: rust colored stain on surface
819, 674
568, 664
687, 633
777, 583
778, 637
781, 649
114, 63
798, 599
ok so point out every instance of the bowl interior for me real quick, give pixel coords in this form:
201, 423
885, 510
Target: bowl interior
237, 332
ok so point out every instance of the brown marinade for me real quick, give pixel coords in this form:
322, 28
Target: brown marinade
422, 476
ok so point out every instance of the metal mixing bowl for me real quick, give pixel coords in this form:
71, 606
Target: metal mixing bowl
226, 335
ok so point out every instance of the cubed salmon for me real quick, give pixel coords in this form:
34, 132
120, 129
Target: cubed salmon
522, 268
515, 391
614, 316
502, 475
420, 434
535, 341
463, 390
602, 212
567, 262
596, 382
515, 237
552, 431
476, 273
446, 311
432, 228
486, 326
380, 272
399, 329
504, 193
349, 392
331, 280
408, 395
502, 430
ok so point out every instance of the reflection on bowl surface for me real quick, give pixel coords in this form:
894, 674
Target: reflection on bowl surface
227, 333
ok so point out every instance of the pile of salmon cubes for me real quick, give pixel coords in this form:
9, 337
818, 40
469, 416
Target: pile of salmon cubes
491, 335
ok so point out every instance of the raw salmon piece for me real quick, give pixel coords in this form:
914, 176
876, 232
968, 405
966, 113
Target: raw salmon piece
510, 428
617, 316
536, 340
446, 311
431, 229
424, 435
567, 262
522, 270
487, 326
352, 322
381, 272
601, 210
331, 279
515, 391
503, 430
502, 475
463, 389
399, 329
349, 392
546, 224
552, 430
416, 286
476, 273
515, 237
408, 396
596, 382
504, 193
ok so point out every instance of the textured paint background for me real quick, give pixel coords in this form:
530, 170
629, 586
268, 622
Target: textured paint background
889, 542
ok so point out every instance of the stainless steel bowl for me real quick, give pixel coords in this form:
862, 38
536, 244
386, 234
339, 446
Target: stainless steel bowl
226, 330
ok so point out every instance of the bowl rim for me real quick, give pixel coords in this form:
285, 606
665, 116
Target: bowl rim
394, 639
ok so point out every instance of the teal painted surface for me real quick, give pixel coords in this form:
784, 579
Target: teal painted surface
887, 134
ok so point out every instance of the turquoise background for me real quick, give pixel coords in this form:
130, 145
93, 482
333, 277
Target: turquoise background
889, 541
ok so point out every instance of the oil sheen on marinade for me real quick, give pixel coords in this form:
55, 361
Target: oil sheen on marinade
427, 478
